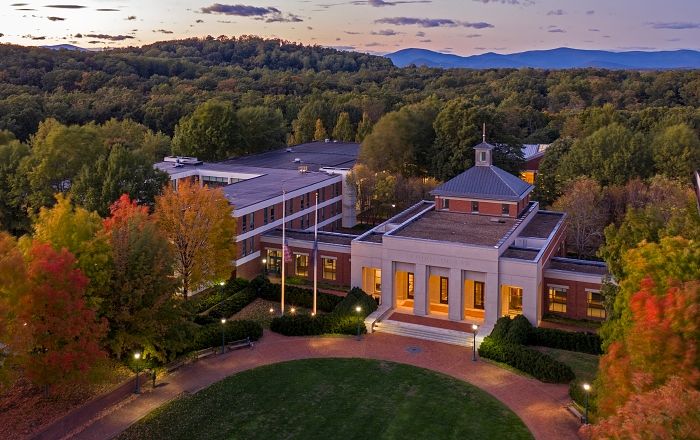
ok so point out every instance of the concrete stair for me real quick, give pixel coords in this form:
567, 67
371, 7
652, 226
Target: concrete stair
453, 337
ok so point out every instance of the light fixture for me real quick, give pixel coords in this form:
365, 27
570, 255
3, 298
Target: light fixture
272, 310
223, 320
264, 260
137, 355
586, 386
292, 310
475, 327
358, 309
223, 283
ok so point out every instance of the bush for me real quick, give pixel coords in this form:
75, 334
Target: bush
297, 296
532, 362
518, 331
500, 330
210, 335
234, 285
573, 341
233, 305
343, 320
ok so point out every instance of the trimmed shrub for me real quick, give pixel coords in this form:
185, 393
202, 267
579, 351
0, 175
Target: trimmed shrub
210, 335
518, 331
299, 325
233, 305
532, 362
297, 296
573, 341
500, 330
356, 297
234, 285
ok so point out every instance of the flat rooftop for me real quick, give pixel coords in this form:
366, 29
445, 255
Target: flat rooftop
542, 224
520, 253
314, 155
578, 266
323, 237
455, 227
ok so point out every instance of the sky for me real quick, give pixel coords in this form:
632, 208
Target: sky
462, 27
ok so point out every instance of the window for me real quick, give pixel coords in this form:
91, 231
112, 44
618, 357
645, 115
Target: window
265, 215
251, 245
443, 290
377, 281
482, 156
301, 199
505, 209
301, 264
446, 203
272, 213
475, 206
557, 299
329, 268
243, 222
515, 299
479, 295
252, 221
410, 286
337, 189
274, 260
290, 206
243, 248
214, 182
595, 305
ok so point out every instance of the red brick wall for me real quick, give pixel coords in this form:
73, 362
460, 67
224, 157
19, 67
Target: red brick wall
576, 298
342, 264
485, 208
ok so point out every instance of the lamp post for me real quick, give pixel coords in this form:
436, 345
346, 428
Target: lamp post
292, 310
358, 309
264, 262
475, 328
587, 389
223, 334
137, 356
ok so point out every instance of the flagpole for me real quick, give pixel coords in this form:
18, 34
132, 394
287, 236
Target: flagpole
284, 250
313, 312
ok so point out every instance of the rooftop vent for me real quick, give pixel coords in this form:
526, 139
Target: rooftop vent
297, 160
290, 150
327, 140
184, 160
303, 169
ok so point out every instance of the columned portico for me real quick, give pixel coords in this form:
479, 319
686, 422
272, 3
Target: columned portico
456, 295
421, 301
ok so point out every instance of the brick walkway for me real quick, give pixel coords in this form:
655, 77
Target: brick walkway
539, 405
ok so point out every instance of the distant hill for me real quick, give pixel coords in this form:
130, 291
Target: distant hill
561, 58
70, 47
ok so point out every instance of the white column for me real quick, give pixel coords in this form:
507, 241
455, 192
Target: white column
492, 306
455, 295
420, 292
530, 301
388, 296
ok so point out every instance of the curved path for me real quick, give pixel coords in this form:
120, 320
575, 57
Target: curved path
541, 406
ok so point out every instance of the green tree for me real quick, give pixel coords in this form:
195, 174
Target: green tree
343, 128
677, 152
211, 132
320, 131
304, 125
549, 184
364, 128
13, 214
262, 129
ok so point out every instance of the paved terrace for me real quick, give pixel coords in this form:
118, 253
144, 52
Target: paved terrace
541, 406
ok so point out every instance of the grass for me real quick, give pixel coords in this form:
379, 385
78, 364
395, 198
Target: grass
333, 398
583, 324
584, 365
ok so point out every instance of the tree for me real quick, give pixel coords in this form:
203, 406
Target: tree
262, 129
582, 202
364, 128
13, 213
141, 307
198, 223
320, 131
304, 125
65, 333
677, 152
122, 172
12, 284
77, 230
343, 128
549, 185
211, 132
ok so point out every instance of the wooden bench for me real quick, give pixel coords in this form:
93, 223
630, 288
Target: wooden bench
241, 343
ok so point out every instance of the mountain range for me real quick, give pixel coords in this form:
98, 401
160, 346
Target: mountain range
560, 58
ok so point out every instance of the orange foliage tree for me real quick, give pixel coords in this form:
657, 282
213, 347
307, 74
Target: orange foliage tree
199, 224
64, 333
12, 284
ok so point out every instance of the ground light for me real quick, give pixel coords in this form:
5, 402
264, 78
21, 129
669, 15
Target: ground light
223, 283
223, 334
292, 310
358, 309
264, 262
587, 389
137, 357
272, 310
475, 328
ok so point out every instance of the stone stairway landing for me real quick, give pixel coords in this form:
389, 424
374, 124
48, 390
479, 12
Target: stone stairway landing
446, 336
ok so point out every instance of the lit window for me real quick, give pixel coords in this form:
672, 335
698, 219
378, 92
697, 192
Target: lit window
557, 299
329, 268
475, 206
515, 299
274, 260
377, 281
479, 295
301, 264
595, 309
443, 290
410, 286
446, 203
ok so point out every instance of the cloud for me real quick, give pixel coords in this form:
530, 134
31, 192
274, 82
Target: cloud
557, 31
593, 30
131, 17
432, 22
381, 3
677, 25
427, 40
636, 48
420, 34
269, 14
373, 44
673, 39
107, 10
386, 32
352, 33
556, 12
56, 18
33, 37
590, 12
343, 47
199, 20
508, 2
78, 35
109, 37
66, 6
19, 4
1, 35
163, 31
473, 35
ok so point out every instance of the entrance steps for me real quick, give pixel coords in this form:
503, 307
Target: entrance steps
425, 332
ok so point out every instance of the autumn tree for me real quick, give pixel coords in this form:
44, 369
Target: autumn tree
320, 131
364, 128
63, 331
211, 132
141, 307
12, 286
343, 128
198, 223
582, 202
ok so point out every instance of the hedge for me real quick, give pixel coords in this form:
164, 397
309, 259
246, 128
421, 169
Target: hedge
554, 338
233, 305
518, 331
206, 300
294, 295
343, 320
536, 364
210, 335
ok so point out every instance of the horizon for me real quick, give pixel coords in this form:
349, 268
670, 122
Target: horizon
459, 27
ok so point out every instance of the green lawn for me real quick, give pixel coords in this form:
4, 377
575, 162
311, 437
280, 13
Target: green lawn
334, 399
584, 365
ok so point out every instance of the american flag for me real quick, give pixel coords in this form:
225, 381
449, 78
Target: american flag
287, 251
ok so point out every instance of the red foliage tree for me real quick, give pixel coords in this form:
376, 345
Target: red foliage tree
65, 333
